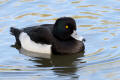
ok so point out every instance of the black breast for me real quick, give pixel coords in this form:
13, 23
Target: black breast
68, 47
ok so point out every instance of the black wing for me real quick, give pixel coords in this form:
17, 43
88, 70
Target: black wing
40, 34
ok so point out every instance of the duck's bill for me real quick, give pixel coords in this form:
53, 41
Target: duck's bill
75, 36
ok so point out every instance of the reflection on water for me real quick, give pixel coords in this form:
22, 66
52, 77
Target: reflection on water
91, 13
2, 28
86, 6
97, 21
33, 14
26, 0
3, 1
60, 64
89, 17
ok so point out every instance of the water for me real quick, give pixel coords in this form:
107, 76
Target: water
97, 21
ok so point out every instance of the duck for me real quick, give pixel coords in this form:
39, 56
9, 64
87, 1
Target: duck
58, 38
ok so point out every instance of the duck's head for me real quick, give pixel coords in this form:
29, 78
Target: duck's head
64, 28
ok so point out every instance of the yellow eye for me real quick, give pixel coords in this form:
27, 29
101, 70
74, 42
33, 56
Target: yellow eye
66, 26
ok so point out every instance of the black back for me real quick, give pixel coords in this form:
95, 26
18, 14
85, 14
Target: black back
40, 34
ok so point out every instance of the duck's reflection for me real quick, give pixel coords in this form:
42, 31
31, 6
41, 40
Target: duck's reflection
60, 64
66, 64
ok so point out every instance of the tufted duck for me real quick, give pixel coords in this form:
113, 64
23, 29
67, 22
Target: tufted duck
58, 38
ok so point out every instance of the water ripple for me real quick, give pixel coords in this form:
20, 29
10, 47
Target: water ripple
98, 22
33, 14
3, 1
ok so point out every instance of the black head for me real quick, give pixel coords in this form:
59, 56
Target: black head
64, 27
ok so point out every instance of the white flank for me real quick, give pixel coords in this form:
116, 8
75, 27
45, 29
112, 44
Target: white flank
34, 54
75, 35
30, 45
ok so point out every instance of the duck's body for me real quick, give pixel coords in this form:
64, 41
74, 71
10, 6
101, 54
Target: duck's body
49, 38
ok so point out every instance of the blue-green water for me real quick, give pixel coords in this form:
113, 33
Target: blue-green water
97, 21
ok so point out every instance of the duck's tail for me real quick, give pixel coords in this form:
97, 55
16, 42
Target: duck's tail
15, 32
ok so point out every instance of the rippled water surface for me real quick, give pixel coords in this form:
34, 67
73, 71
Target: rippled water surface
97, 20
